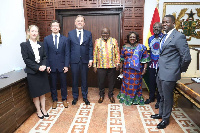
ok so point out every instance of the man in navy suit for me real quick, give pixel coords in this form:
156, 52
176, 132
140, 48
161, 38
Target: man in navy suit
80, 55
55, 46
174, 59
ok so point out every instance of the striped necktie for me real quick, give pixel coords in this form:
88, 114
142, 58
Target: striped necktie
163, 41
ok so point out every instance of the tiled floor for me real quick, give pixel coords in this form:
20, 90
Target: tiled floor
110, 118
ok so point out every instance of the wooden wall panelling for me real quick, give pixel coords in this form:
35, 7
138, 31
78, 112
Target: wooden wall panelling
66, 4
88, 3
46, 11
116, 3
44, 27
30, 12
45, 4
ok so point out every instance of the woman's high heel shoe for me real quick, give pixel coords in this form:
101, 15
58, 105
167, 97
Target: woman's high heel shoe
47, 115
41, 117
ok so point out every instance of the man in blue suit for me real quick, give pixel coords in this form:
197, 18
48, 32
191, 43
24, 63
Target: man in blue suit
80, 55
55, 46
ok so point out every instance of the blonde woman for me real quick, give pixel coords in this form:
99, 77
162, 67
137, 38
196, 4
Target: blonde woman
34, 57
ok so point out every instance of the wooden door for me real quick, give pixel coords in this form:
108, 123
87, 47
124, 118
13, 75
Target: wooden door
94, 24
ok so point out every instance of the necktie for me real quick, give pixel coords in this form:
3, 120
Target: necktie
163, 41
56, 45
79, 36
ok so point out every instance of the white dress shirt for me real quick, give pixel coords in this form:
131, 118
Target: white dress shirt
77, 31
35, 48
58, 36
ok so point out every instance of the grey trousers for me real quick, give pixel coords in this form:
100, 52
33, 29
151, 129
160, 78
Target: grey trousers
165, 89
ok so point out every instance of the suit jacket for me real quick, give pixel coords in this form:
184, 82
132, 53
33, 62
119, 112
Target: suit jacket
174, 57
77, 52
28, 56
56, 58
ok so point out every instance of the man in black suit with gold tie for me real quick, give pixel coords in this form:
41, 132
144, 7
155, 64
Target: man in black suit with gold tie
174, 59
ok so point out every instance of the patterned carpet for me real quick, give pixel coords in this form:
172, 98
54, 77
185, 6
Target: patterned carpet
106, 118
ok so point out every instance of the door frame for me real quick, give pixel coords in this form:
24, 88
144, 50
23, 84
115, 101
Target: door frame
60, 13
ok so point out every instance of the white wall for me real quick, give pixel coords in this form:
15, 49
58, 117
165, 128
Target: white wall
12, 29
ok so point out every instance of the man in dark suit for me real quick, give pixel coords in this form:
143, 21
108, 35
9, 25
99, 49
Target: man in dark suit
174, 59
80, 54
55, 46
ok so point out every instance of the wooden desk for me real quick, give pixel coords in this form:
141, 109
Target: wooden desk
15, 103
190, 90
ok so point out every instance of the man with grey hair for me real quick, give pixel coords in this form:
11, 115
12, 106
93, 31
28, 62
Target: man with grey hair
80, 50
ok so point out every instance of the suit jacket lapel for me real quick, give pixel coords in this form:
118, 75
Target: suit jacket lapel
75, 36
84, 36
60, 42
171, 36
52, 42
39, 49
29, 47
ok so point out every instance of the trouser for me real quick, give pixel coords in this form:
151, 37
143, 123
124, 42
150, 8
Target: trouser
153, 85
102, 72
165, 89
79, 70
63, 85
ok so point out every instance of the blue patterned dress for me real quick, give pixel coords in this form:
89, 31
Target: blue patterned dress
131, 89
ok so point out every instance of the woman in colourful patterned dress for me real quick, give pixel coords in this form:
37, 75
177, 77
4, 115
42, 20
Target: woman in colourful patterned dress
134, 58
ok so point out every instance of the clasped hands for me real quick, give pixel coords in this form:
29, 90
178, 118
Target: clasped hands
42, 68
65, 69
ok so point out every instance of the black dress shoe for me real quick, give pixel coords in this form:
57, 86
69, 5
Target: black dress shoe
112, 100
157, 105
156, 116
163, 124
148, 101
74, 101
100, 99
86, 101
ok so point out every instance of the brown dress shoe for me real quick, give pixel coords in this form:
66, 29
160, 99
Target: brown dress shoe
100, 99
112, 100
54, 106
65, 103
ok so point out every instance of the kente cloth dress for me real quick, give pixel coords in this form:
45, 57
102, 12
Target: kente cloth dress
131, 89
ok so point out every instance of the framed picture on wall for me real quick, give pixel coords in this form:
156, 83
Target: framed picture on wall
187, 15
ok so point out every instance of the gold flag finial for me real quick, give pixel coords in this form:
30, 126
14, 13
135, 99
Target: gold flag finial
157, 4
